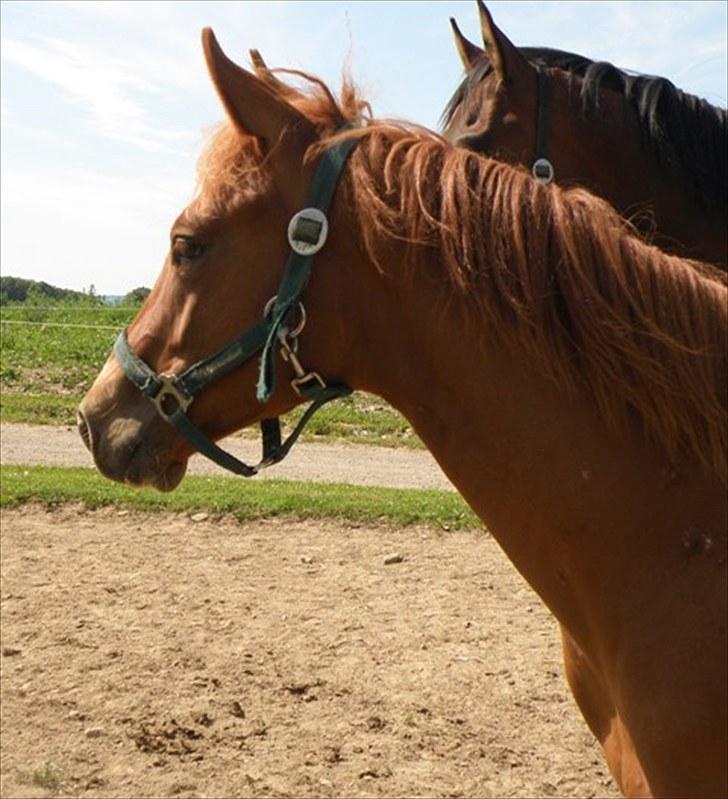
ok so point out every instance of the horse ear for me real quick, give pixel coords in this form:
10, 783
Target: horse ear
468, 51
252, 104
501, 52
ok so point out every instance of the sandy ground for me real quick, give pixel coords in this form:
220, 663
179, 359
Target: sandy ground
154, 656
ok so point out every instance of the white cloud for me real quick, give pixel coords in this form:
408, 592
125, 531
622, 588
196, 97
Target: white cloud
100, 86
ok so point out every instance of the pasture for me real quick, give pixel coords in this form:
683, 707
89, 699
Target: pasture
51, 354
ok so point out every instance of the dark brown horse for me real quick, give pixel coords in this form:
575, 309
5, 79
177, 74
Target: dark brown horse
660, 156
570, 380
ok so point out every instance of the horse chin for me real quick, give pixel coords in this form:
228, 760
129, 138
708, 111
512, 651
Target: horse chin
165, 479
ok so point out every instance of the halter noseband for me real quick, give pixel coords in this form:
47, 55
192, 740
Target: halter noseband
542, 169
172, 394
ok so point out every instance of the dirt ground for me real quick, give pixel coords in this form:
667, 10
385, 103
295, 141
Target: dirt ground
157, 656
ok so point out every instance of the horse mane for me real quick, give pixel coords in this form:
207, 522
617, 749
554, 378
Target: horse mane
686, 134
554, 271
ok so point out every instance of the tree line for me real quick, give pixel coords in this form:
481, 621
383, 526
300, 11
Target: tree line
18, 289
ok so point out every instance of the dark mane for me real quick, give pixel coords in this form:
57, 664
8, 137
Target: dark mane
687, 135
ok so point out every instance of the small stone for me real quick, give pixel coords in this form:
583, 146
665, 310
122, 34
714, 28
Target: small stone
74, 714
306, 559
94, 732
122, 513
395, 557
237, 710
200, 517
10, 651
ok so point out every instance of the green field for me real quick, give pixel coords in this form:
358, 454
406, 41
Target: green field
241, 498
51, 353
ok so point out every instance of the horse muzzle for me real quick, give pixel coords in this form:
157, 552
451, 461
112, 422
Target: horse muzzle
128, 441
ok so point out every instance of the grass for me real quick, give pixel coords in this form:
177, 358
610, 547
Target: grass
243, 499
45, 370
44, 776
38, 408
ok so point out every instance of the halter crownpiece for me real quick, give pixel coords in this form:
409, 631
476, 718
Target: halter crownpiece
172, 394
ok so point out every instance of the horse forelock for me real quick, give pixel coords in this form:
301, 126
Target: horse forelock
232, 170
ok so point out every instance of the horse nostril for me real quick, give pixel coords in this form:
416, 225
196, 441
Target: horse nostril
83, 429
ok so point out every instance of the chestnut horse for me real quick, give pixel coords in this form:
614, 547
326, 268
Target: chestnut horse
659, 156
569, 379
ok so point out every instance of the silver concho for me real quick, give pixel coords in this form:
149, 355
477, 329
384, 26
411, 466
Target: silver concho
307, 231
543, 170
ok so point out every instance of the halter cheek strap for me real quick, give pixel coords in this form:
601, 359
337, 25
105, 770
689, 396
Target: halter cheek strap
542, 169
172, 394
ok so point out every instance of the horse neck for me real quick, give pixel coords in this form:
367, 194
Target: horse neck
603, 152
575, 507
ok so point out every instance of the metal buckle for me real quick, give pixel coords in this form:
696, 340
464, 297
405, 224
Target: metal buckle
543, 170
307, 231
168, 388
299, 384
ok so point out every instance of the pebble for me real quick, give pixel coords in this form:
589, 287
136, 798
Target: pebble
395, 557
94, 732
199, 517
10, 651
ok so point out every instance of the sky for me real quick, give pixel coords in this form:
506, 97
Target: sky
105, 105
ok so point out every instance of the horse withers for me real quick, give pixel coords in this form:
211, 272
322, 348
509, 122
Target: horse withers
517, 327
657, 154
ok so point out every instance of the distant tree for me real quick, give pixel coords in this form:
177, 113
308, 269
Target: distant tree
136, 296
18, 289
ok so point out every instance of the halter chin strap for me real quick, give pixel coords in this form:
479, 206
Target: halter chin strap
542, 169
172, 394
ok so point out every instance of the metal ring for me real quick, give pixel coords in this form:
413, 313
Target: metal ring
169, 388
543, 170
301, 310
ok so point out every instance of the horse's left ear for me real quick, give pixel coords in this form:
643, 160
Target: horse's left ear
253, 105
502, 53
468, 52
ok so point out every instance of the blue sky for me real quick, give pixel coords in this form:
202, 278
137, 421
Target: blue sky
105, 104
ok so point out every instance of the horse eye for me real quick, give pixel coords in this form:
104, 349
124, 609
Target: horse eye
185, 250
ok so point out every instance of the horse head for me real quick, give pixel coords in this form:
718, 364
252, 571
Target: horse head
495, 108
228, 249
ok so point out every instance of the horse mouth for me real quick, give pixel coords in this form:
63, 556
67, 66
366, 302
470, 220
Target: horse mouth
131, 458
